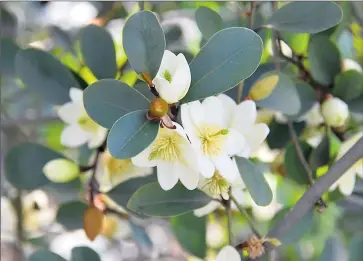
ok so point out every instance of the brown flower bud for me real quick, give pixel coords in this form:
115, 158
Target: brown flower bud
93, 222
158, 108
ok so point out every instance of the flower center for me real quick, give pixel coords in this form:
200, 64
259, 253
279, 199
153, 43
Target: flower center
213, 139
117, 166
87, 124
167, 146
217, 185
167, 76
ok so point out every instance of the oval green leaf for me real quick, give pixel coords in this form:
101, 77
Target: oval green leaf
131, 134
229, 57
107, 100
24, 165
84, 254
279, 135
324, 59
8, 50
144, 42
356, 105
44, 74
306, 17
307, 97
325, 152
348, 85
45, 255
152, 200
70, 214
208, 21
255, 182
284, 97
98, 51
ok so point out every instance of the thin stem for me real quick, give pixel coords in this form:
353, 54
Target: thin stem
251, 16
142, 5
245, 214
229, 221
18, 206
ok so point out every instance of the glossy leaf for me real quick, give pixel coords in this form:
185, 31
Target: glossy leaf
279, 135
285, 91
306, 17
325, 152
191, 233
45, 255
84, 254
356, 105
307, 97
293, 166
8, 50
92, 222
324, 59
255, 182
208, 21
144, 42
70, 214
24, 165
348, 85
107, 100
131, 134
44, 74
152, 200
229, 57
98, 51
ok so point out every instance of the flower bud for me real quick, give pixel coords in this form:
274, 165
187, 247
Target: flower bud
263, 87
61, 170
349, 64
335, 112
158, 108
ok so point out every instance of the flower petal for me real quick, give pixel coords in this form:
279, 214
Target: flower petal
69, 112
235, 142
76, 95
347, 183
189, 126
206, 166
256, 136
207, 209
73, 136
167, 175
142, 159
97, 138
188, 176
168, 63
226, 167
182, 77
214, 112
229, 106
245, 152
228, 253
166, 90
244, 116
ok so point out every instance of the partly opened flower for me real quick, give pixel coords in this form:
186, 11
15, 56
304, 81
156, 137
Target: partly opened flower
242, 118
173, 78
346, 182
335, 112
112, 171
81, 128
228, 253
174, 157
206, 126
61, 170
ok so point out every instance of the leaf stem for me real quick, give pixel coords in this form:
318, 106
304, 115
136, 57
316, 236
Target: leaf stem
229, 221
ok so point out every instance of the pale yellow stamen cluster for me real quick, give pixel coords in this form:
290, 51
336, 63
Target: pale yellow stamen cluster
217, 185
213, 138
167, 146
86, 123
115, 166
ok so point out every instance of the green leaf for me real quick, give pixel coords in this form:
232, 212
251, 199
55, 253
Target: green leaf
208, 21
306, 17
152, 200
348, 85
297, 42
8, 50
333, 250
294, 168
285, 91
70, 214
325, 152
45, 255
107, 100
191, 233
229, 57
356, 105
324, 59
279, 134
131, 134
355, 248
98, 51
307, 97
144, 42
44, 74
255, 182
84, 254
24, 165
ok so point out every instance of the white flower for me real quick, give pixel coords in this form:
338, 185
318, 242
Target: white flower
228, 253
206, 126
61, 170
349, 64
335, 112
313, 117
111, 171
81, 128
174, 158
346, 182
242, 118
173, 78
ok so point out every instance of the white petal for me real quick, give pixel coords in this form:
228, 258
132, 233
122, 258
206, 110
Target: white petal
165, 89
142, 159
347, 183
256, 136
207, 209
167, 63
228, 253
69, 112
359, 168
226, 167
73, 136
214, 112
206, 166
97, 138
182, 77
229, 106
245, 116
235, 142
196, 112
167, 175
189, 125
188, 176
239, 195
76, 95
245, 152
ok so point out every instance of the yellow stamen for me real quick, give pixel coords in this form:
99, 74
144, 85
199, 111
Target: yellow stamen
217, 185
212, 138
167, 75
87, 124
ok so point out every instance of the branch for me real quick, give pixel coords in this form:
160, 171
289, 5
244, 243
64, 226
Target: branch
229, 219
